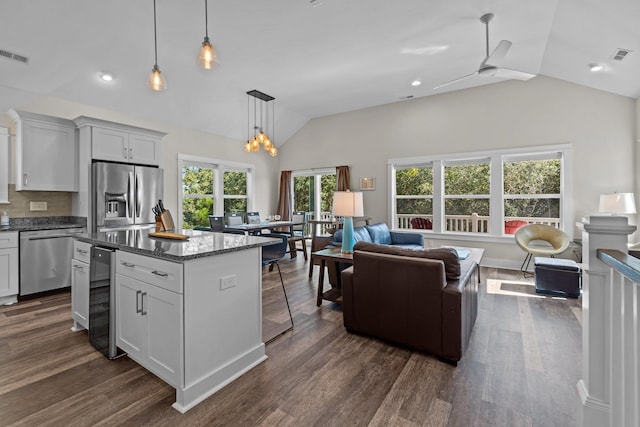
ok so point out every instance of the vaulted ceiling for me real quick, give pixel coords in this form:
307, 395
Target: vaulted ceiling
316, 57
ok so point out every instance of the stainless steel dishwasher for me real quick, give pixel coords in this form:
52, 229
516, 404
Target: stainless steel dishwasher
45, 259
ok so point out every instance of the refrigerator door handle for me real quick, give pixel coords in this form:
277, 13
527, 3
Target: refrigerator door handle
131, 196
138, 197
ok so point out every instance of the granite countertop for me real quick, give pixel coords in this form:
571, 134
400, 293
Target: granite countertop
200, 243
44, 223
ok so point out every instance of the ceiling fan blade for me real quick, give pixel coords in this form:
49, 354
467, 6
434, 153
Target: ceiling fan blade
498, 54
456, 80
506, 73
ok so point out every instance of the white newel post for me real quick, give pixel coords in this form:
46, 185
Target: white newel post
599, 232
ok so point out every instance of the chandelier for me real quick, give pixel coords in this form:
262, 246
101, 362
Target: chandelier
260, 133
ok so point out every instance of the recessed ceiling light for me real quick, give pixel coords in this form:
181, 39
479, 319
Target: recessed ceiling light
596, 67
107, 77
416, 83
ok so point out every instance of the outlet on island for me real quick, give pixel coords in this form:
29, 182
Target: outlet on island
38, 206
227, 282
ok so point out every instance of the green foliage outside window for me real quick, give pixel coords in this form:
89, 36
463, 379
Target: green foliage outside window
197, 182
327, 188
235, 184
414, 182
471, 179
532, 177
303, 187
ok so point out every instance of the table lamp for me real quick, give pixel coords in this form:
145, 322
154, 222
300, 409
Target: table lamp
347, 204
617, 204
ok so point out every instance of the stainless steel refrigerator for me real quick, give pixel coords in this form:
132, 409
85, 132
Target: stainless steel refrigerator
123, 195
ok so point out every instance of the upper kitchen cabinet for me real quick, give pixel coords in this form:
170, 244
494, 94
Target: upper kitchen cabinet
46, 152
120, 143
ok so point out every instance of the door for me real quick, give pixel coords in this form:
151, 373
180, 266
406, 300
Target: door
80, 292
113, 192
164, 312
8, 272
149, 185
143, 149
130, 324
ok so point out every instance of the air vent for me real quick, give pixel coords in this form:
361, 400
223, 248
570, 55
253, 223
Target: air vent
13, 56
315, 2
620, 54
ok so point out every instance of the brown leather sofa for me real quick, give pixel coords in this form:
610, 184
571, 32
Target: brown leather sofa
407, 297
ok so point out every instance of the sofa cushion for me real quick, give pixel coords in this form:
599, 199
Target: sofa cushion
447, 255
379, 233
360, 234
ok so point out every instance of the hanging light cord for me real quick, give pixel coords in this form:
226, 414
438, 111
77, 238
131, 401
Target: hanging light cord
206, 21
155, 35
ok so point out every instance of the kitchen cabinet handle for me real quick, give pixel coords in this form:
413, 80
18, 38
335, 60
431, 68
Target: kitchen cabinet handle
127, 264
78, 267
25, 180
82, 251
138, 309
142, 312
160, 273
131, 153
124, 152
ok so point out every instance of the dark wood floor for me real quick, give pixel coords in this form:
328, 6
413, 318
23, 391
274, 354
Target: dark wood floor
520, 370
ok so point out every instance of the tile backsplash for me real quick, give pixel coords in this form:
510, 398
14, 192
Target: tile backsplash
58, 203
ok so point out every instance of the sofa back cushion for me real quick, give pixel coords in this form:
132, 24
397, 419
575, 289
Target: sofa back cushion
447, 255
360, 234
379, 233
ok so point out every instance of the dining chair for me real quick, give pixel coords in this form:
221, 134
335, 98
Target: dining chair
298, 234
234, 218
217, 223
271, 254
253, 217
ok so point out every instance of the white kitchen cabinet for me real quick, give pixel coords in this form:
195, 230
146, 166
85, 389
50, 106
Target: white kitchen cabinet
149, 318
46, 153
8, 267
80, 277
121, 143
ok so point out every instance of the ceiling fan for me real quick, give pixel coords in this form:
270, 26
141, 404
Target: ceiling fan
490, 65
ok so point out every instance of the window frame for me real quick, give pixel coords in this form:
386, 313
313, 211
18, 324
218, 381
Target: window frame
219, 167
496, 159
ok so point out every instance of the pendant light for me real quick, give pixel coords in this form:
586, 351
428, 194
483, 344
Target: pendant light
156, 80
260, 101
207, 54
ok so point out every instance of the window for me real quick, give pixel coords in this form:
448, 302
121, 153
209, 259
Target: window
481, 193
212, 187
197, 195
467, 196
313, 192
235, 191
414, 194
532, 190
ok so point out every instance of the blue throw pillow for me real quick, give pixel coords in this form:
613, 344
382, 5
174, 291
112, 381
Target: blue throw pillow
380, 233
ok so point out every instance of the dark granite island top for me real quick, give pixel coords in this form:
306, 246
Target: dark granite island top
200, 243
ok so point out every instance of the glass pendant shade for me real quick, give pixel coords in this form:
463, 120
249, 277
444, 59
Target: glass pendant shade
247, 147
207, 55
156, 80
273, 151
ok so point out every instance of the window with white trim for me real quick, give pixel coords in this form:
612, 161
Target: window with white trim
485, 193
212, 187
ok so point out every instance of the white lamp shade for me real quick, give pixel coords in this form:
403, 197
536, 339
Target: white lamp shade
348, 203
618, 203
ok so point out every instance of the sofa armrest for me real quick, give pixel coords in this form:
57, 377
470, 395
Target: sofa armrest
347, 296
459, 312
402, 238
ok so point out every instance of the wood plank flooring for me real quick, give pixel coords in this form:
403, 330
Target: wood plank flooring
521, 368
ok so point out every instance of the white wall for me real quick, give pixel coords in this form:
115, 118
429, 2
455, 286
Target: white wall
600, 126
178, 140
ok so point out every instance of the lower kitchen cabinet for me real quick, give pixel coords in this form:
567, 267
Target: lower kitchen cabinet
149, 323
80, 277
9, 286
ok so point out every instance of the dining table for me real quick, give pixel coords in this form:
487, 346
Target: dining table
258, 227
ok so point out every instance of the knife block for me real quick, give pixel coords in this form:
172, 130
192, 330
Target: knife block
164, 221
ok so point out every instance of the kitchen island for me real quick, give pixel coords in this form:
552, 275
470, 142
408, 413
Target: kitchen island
189, 311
